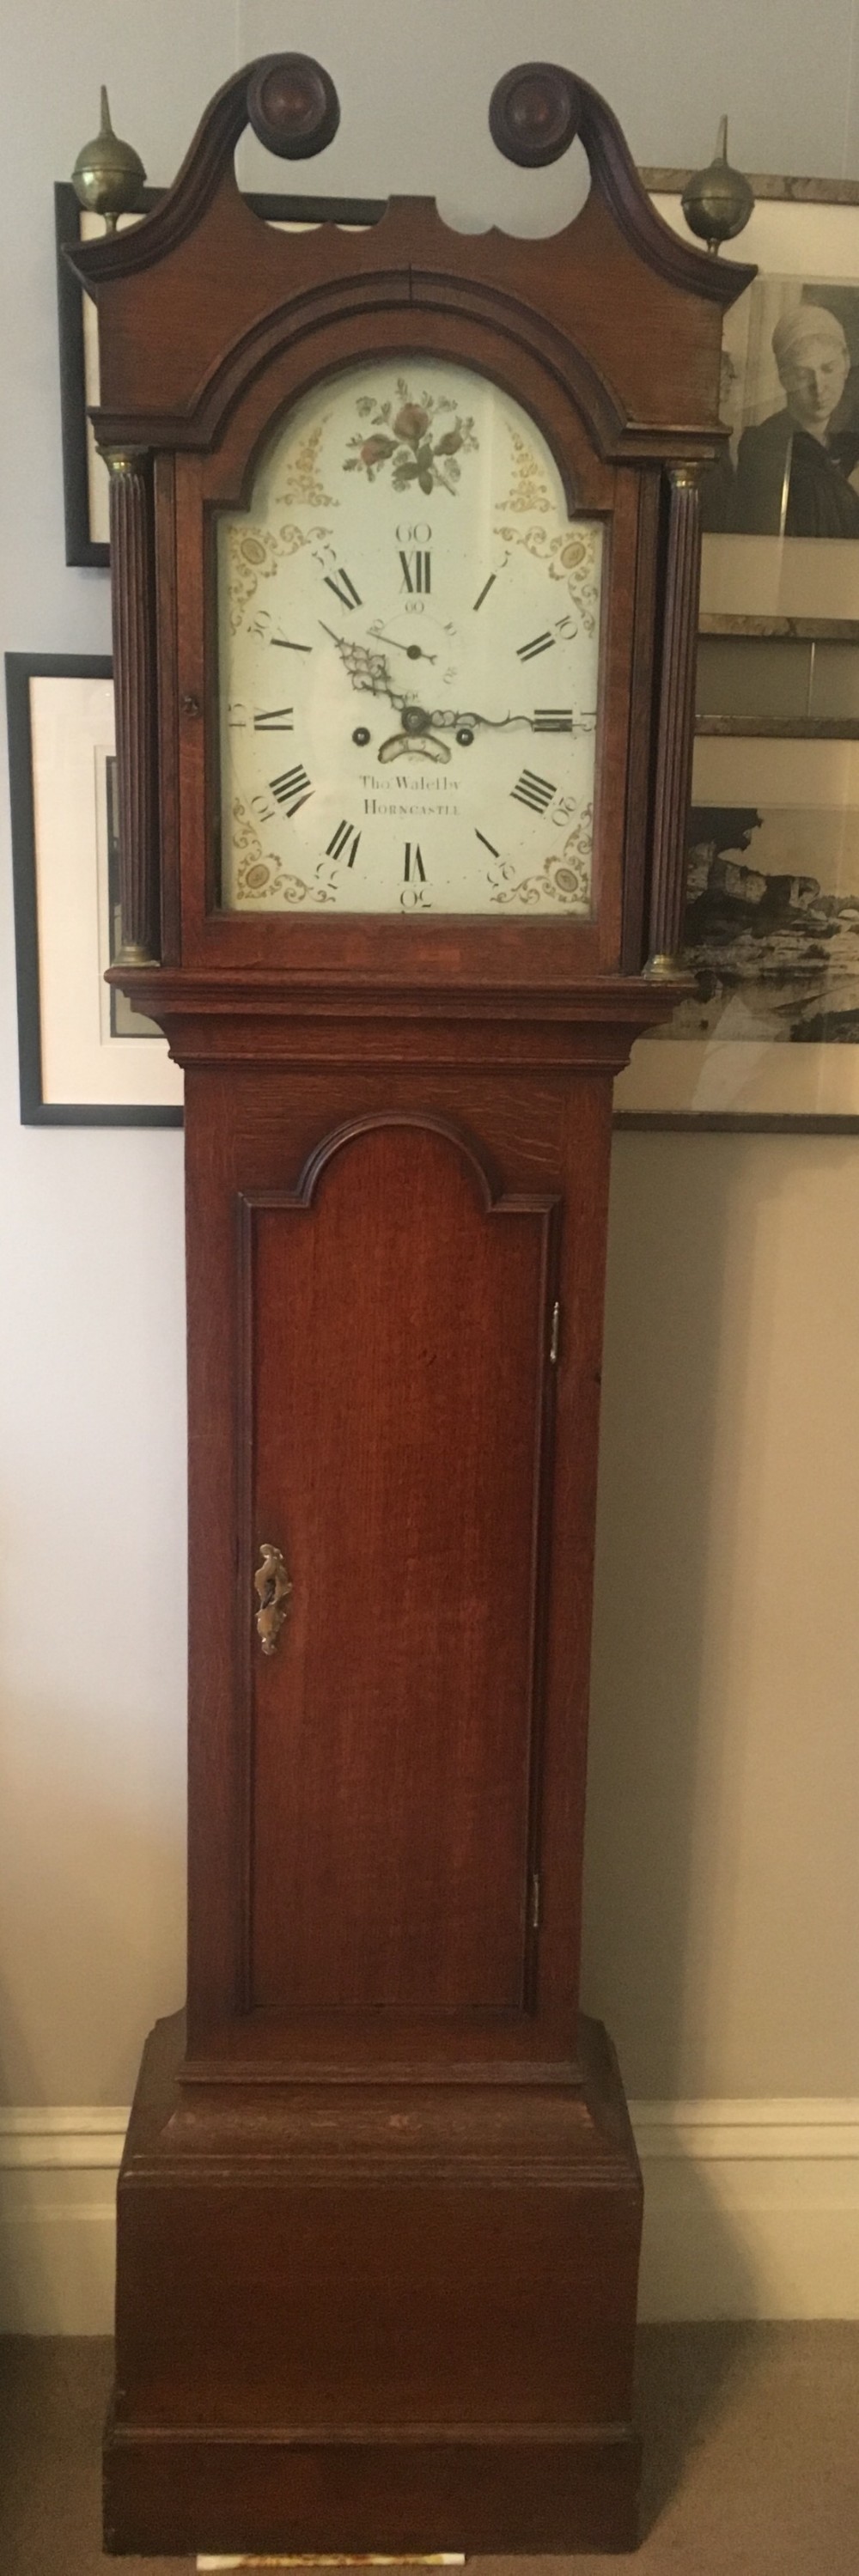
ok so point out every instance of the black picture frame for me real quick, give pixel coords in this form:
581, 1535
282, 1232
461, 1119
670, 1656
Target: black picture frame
82, 549
36, 1111
773, 188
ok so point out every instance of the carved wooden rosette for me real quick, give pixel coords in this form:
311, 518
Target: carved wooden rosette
676, 723
132, 598
534, 114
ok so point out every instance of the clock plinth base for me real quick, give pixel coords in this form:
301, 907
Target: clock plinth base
375, 2317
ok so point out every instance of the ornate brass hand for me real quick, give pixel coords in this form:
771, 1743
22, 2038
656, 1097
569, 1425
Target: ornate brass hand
366, 669
449, 720
369, 670
422, 729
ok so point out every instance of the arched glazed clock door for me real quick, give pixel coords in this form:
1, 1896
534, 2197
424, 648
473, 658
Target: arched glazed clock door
404, 549
424, 737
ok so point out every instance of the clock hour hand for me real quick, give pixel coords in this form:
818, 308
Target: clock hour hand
366, 669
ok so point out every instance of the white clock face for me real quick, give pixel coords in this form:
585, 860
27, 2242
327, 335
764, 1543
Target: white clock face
408, 656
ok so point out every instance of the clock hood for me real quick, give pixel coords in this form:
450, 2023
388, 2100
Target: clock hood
194, 297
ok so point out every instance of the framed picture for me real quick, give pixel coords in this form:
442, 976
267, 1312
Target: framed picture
85, 1057
85, 481
769, 675
781, 509
771, 1038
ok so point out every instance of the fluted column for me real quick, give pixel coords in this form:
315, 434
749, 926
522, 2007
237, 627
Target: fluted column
133, 607
676, 724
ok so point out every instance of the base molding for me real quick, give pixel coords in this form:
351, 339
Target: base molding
751, 2209
390, 2317
528, 2486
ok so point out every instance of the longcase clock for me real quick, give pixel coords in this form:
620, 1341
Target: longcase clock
404, 546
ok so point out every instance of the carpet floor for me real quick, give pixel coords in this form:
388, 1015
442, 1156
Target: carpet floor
751, 2438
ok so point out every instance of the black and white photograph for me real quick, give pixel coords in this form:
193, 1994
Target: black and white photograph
772, 924
780, 508
771, 1032
790, 395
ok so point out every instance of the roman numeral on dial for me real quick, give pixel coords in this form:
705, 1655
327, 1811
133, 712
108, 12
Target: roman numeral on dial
416, 570
553, 720
414, 871
339, 843
487, 586
274, 720
533, 791
488, 845
292, 788
343, 588
538, 644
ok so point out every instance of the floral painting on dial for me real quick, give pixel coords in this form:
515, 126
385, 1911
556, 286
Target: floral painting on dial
421, 441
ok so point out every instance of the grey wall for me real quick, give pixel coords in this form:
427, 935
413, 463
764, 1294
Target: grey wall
723, 1762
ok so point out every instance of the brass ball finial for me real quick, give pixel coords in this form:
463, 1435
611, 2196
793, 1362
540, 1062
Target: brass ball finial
108, 175
718, 201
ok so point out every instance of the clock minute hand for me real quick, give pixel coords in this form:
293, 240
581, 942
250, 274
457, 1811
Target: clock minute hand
445, 719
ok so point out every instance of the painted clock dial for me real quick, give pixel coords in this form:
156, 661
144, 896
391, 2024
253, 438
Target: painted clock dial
408, 658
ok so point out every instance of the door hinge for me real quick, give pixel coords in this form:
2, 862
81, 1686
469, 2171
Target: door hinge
555, 1335
535, 1901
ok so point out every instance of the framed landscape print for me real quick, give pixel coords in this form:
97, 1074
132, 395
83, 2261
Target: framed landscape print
85, 1057
85, 483
771, 1037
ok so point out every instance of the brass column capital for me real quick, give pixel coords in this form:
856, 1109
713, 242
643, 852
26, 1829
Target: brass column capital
124, 460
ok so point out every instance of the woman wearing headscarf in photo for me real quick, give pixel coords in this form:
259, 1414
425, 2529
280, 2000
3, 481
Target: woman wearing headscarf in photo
792, 470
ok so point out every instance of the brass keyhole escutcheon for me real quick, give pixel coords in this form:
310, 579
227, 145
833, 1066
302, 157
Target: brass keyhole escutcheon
274, 1592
